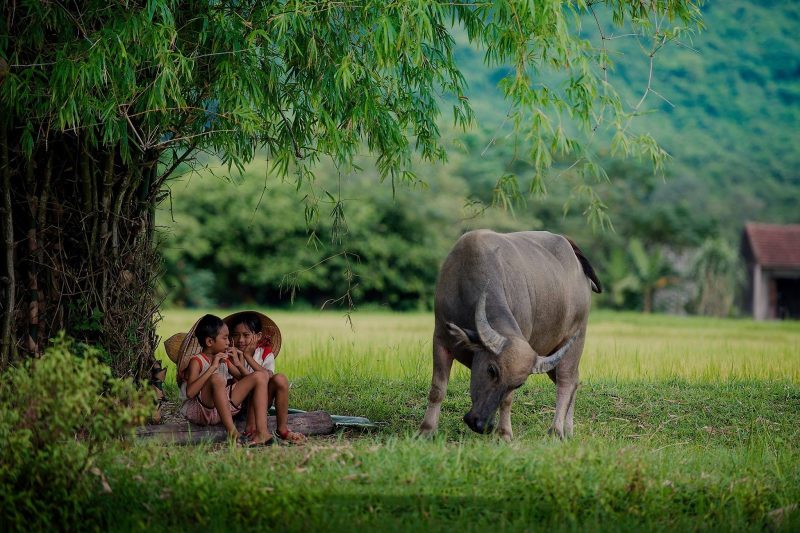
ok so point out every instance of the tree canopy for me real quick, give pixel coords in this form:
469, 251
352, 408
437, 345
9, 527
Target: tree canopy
100, 104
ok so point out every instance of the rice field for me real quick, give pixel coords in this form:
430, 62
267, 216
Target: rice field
619, 346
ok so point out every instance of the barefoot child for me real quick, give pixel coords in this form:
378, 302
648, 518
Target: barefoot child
210, 393
250, 337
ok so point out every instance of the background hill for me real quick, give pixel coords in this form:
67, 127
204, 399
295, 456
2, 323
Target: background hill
729, 118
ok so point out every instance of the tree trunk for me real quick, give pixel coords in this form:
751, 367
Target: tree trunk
648, 300
7, 346
83, 219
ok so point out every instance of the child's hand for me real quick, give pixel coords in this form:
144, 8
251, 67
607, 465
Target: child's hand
219, 358
236, 356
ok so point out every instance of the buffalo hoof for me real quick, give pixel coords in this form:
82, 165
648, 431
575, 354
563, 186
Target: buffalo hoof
505, 435
426, 433
555, 432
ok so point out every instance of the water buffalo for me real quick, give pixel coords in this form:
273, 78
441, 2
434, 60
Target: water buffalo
507, 306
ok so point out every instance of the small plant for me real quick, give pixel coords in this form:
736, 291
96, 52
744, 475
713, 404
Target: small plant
56, 414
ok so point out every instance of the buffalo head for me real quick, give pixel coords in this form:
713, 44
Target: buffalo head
500, 365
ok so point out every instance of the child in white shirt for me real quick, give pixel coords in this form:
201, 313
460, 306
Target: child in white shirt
248, 336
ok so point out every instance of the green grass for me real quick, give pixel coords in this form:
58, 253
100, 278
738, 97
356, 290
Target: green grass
405, 484
681, 424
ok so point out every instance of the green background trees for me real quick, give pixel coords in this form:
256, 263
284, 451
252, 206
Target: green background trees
731, 135
102, 102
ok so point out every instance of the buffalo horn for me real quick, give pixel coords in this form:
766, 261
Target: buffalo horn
546, 364
492, 340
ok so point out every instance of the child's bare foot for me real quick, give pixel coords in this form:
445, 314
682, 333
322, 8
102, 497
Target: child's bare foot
260, 439
291, 437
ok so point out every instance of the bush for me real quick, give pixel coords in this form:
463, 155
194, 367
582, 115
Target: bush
56, 414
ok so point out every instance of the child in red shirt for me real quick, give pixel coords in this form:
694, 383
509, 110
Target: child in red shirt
215, 382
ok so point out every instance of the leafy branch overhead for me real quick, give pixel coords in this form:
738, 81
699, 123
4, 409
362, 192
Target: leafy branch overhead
312, 78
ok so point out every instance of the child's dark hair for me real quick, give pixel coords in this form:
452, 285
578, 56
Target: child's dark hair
250, 320
208, 327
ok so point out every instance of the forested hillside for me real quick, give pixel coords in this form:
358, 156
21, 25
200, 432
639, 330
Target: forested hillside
725, 104
735, 128
728, 111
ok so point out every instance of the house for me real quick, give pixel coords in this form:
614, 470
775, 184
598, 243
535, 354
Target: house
772, 255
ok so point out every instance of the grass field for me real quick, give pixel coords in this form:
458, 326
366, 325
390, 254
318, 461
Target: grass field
681, 423
619, 346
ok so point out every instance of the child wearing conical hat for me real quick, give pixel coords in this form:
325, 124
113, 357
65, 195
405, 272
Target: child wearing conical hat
214, 382
258, 349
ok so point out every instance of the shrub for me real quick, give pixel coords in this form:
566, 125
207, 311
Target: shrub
56, 414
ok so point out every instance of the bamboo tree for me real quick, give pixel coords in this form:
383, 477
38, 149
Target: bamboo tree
9, 283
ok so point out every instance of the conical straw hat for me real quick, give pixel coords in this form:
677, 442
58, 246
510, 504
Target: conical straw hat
173, 345
268, 328
189, 346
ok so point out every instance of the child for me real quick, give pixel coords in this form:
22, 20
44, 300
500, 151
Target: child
210, 394
256, 347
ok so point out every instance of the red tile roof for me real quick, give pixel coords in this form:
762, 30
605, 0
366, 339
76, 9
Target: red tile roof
775, 245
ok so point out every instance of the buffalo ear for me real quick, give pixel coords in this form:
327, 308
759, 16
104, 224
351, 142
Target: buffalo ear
465, 337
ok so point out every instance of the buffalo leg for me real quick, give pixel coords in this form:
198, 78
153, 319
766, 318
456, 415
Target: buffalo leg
504, 429
568, 422
566, 380
564, 392
442, 363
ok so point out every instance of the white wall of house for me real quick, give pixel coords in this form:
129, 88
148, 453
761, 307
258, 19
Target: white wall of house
760, 294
